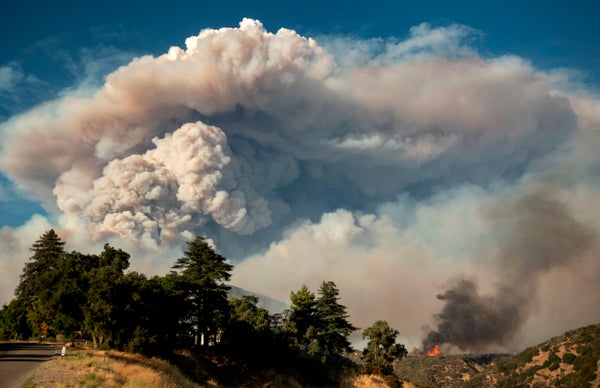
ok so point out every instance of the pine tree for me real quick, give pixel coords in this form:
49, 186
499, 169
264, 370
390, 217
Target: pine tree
47, 251
320, 325
41, 273
333, 327
302, 319
200, 275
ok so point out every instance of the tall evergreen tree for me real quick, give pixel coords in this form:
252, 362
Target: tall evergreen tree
47, 250
37, 283
333, 326
302, 318
320, 325
201, 275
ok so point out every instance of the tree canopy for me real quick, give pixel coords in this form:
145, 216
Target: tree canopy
320, 324
382, 348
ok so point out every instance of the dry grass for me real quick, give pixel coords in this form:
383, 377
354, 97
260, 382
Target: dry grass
364, 381
108, 369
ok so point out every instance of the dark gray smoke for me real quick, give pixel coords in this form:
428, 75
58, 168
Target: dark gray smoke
472, 321
536, 233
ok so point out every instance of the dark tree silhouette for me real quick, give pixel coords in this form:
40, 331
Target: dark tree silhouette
201, 275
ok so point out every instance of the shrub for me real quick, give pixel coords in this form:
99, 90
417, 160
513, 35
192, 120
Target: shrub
569, 358
546, 347
552, 362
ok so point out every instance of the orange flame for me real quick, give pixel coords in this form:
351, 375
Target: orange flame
435, 351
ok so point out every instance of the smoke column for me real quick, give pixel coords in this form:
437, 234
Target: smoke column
537, 233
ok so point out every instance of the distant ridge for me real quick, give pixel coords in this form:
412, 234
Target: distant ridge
272, 305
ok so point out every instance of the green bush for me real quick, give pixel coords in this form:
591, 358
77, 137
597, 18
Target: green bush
527, 355
569, 358
552, 362
554, 366
545, 348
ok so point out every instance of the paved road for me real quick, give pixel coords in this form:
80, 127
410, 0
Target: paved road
18, 360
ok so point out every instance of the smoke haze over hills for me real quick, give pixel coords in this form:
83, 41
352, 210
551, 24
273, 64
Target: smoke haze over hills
398, 169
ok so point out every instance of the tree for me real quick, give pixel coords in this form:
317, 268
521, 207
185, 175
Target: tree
200, 275
302, 318
146, 315
319, 325
69, 289
249, 326
68, 293
382, 349
13, 321
46, 252
245, 309
333, 327
103, 299
40, 275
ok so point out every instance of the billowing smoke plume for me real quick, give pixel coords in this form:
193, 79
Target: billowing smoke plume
138, 157
537, 233
245, 129
189, 174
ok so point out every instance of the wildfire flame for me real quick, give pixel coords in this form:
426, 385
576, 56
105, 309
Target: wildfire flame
435, 351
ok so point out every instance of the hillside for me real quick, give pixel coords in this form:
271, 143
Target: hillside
442, 371
569, 360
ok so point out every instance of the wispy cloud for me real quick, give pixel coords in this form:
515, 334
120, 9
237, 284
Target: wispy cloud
9, 77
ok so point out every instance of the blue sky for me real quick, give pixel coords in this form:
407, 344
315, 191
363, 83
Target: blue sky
552, 33
388, 146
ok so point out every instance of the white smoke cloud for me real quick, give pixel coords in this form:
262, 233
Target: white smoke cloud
365, 162
86, 142
189, 172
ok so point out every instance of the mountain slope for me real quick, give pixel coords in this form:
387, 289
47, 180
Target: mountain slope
272, 305
569, 360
